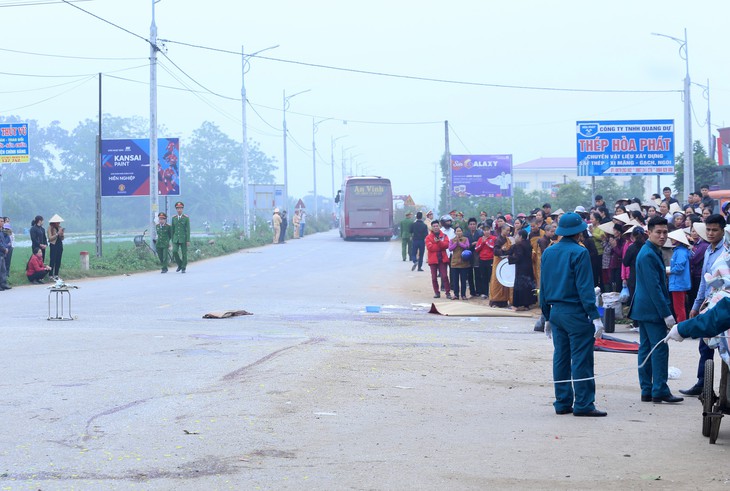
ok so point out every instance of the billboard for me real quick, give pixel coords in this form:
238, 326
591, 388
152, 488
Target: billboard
487, 176
625, 148
14, 143
125, 167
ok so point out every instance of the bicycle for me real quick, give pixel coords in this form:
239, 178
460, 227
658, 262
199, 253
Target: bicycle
140, 242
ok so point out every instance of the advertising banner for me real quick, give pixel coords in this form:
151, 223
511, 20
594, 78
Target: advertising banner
125, 167
14, 143
625, 148
487, 176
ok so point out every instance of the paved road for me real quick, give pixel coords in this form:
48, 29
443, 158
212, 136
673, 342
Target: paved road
311, 392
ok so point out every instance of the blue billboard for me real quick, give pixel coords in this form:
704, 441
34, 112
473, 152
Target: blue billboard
14, 143
125, 167
481, 175
625, 148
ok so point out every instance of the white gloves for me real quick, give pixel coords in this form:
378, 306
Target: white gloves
548, 330
669, 321
598, 324
674, 335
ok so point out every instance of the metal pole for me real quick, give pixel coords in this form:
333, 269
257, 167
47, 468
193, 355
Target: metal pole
153, 124
689, 179
314, 168
97, 177
435, 188
710, 140
246, 213
286, 175
332, 155
447, 153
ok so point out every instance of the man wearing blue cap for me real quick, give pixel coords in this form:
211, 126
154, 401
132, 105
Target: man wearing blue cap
568, 303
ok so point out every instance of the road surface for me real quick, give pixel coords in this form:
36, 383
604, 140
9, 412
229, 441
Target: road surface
312, 392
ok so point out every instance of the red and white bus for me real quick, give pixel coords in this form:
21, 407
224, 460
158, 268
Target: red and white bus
366, 208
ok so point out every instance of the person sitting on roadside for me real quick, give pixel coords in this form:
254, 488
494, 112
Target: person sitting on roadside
35, 269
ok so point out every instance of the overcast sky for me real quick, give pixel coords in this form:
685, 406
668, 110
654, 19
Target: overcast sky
394, 125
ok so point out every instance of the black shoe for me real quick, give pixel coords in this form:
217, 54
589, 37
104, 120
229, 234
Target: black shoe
419, 269
564, 411
178, 269
182, 270
695, 390
592, 414
163, 271
6, 287
670, 398
414, 267
645, 398
438, 295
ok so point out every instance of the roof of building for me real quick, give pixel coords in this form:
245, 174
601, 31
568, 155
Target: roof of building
548, 163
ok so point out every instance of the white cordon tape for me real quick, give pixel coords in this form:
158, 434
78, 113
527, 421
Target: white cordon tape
615, 371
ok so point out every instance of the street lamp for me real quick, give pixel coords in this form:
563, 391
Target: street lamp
244, 68
286, 174
314, 162
332, 154
689, 169
344, 170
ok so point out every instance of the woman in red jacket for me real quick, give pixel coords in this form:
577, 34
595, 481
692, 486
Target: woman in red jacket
485, 249
36, 270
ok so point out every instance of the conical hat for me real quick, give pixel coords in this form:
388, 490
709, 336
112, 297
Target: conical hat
622, 217
674, 207
668, 243
607, 227
701, 230
633, 207
629, 230
679, 236
559, 211
55, 219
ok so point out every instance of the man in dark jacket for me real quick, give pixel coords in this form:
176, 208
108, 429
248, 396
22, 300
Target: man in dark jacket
651, 307
418, 231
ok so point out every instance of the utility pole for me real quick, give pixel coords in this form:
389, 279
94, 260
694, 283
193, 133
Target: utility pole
154, 206
447, 153
689, 166
332, 141
314, 168
246, 212
97, 175
285, 105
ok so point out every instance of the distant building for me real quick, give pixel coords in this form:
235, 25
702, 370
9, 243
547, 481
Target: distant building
546, 174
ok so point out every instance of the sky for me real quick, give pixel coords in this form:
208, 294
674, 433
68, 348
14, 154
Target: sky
391, 126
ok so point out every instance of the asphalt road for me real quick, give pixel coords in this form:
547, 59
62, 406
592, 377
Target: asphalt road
312, 392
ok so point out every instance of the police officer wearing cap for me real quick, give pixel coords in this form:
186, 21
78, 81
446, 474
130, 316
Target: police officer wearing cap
180, 237
572, 321
162, 245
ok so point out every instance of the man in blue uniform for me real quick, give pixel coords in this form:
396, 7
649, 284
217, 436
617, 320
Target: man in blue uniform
707, 325
650, 306
568, 303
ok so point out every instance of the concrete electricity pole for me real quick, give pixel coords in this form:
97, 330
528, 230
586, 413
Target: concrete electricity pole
154, 199
332, 155
689, 167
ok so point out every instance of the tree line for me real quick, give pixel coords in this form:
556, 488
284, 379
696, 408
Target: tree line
60, 177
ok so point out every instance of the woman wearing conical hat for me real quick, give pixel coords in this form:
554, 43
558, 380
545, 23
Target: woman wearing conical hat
55, 238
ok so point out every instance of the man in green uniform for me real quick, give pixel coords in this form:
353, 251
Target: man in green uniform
405, 236
180, 237
567, 301
164, 234
711, 323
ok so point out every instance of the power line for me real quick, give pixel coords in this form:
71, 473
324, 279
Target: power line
38, 88
261, 117
31, 3
78, 75
67, 56
52, 97
108, 22
451, 127
420, 78
196, 82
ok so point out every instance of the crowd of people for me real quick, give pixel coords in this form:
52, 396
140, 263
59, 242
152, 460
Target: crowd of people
663, 257
613, 239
